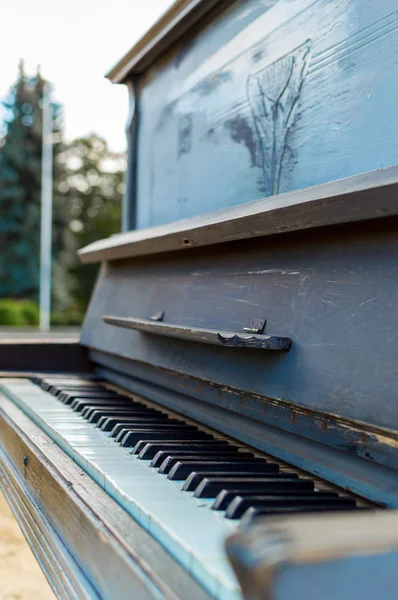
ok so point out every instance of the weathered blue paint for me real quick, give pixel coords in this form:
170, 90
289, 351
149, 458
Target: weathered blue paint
158, 506
334, 295
270, 96
272, 560
225, 412
366, 577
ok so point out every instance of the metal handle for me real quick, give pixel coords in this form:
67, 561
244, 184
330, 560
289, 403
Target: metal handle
205, 336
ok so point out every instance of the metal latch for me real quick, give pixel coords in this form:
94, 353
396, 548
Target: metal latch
256, 326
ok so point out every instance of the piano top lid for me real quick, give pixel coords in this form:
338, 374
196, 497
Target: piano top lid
171, 26
362, 197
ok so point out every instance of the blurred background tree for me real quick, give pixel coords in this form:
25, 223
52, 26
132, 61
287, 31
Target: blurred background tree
88, 183
20, 186
93, 189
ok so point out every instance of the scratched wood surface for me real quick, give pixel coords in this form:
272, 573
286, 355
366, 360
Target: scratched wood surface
345, 555
334, 293
270, 96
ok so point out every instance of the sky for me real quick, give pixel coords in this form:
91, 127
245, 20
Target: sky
76, 42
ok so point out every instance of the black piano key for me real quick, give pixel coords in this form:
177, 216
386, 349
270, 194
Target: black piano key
225, 497
194, 479
156, 419
94, 416
119, 410
240, 505
57, 389
87, 411
182, 469
78, 404
109, 423
210, 487
146, 450
87, 408
134, 437
67, 397
166, 460
87, 385
159, 426
172, 424
101, 400
48, 385
254, 513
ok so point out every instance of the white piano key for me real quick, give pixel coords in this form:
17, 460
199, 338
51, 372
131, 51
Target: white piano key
186, 526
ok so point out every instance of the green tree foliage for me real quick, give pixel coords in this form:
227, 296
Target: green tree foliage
88, 185
93, 188
20, 185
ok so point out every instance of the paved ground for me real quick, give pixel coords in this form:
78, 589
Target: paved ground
20, 576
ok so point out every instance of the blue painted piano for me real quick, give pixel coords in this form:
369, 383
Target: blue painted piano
227, 425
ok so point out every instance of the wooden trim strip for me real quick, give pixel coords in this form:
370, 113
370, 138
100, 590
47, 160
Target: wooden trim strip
361, 197
176, 21
232, 339
61, 571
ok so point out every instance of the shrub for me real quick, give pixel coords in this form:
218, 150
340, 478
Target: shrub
71, 318
31, 312
26, 313
19, 313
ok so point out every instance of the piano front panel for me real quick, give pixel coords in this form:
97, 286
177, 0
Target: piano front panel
334, 293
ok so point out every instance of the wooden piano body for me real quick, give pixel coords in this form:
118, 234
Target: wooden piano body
272, 320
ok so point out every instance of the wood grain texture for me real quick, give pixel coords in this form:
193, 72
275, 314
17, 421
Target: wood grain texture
200, 335
64, 575
359, 198
114, 553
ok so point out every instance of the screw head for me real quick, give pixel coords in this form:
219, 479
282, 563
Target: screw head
25, 460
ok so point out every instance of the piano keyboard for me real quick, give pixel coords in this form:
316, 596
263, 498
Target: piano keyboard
187, 486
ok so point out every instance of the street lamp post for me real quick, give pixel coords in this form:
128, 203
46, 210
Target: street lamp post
46, 211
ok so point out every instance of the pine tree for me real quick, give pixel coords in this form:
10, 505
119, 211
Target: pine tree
20, 186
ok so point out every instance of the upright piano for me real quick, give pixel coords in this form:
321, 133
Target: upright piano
227, 426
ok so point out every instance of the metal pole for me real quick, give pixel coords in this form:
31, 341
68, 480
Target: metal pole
46, 211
